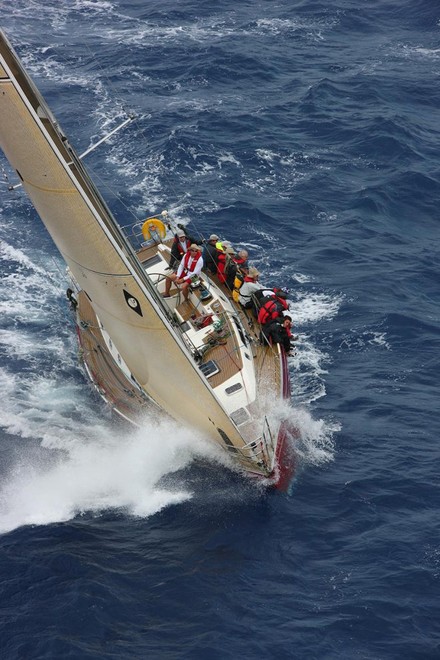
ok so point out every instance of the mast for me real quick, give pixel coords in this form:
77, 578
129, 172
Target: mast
100, 257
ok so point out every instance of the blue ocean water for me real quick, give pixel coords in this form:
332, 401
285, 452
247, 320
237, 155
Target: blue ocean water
308, 133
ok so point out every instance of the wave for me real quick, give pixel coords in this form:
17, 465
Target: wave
105, 469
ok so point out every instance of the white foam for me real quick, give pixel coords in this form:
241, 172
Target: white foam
379, 338
315, 445
29, 292
22, 343
22, 262
312, 440
315, 306
313, 30
302, 278
111, 470
43, 406
406, 51
140, 32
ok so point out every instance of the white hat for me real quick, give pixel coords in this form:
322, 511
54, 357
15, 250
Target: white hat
180, 233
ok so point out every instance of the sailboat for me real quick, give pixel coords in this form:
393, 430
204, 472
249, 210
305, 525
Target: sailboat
199, 360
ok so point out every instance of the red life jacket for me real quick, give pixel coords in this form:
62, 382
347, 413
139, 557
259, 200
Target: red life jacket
268, 312
188, 269
179, 247
221, 266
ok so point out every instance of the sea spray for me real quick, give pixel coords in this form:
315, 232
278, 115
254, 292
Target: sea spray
311, 439
117, 468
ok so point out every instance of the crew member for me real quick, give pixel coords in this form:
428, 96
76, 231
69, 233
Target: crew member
265, 295
249, 287
279, 332
210, 254
189, 267
225, 263
180, 246
242, 260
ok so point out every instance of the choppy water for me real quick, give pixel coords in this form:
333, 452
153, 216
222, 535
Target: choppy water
307, 133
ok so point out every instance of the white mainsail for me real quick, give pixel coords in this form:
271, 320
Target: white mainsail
100, 258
